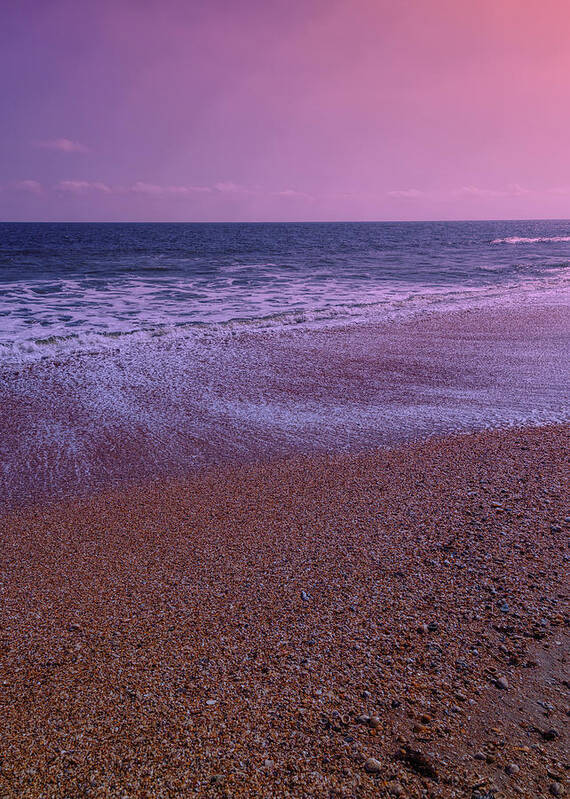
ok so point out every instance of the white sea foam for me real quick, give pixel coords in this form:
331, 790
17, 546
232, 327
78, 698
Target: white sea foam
531, 240
394, 302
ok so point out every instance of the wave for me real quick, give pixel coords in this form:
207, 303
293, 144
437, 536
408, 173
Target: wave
423, 300
531, 240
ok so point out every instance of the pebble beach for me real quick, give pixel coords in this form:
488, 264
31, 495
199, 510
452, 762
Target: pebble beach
388, 624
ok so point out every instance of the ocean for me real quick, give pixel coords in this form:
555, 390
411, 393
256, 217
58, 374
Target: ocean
64, 287
133, 352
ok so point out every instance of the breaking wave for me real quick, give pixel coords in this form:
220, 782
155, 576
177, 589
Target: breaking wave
531, 240
385, 308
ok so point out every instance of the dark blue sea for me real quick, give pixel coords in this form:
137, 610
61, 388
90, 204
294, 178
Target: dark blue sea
62, 285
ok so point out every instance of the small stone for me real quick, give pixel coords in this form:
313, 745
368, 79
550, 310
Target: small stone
420, 763
433, 627
211, 702
550, 735
502, 683
74, 628
269, 763
374, 722
366, 695
395, 788
363, 719
305, 596
556, 789
512, 769
372, 766
480, 756
217, 779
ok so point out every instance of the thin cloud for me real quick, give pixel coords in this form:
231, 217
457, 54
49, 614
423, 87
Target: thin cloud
155, 190
559, 191
406, 194
475, 192
30, 186
227, 187
82, 186
62, 145
514, 190
293, 194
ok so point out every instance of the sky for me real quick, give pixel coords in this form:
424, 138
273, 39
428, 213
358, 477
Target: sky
246, 110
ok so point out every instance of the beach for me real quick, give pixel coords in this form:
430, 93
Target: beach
312, 542
351, 625
284, 399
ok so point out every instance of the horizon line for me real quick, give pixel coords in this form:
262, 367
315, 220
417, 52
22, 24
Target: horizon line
272, 221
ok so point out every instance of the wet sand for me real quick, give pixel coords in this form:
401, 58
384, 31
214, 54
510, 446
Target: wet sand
169, 404
384, 624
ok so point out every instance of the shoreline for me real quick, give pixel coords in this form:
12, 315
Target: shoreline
89, 423
353, 625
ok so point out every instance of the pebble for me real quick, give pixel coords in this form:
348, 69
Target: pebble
502, 683
556, 789
512, 769
260, 652
372, 766
305, 596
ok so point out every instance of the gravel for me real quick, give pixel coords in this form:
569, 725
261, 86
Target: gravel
125, 614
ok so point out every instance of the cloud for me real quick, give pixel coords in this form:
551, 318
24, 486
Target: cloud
513, 190
82, 186
30, 186
155, 190
475, 192
147, 189
293, 194
407, 194
227, 187
63, 145
560, 191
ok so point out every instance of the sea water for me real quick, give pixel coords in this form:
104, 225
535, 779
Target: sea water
68, 286
133, 351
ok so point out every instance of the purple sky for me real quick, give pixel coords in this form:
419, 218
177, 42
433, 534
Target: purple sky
284, 109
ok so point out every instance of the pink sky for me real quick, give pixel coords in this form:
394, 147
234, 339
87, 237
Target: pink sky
284, 109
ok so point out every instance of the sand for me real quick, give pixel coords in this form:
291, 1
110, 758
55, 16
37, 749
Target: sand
387, 624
